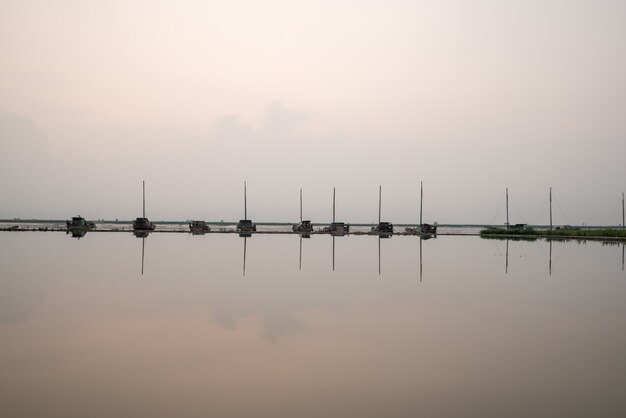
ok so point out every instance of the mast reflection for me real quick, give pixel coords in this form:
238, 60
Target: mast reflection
333, 253
245, 247
304, 235
550, 241
506, 262
143, 235
421, 269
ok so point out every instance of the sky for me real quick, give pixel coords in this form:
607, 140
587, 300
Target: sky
196, 97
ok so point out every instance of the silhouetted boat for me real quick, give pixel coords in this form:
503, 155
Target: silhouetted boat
78, 223
428, 229
199, 227
304, 227
245, 225
425, 230
336, 228
143, 224
384, 229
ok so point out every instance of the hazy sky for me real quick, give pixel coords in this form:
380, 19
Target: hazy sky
197, 96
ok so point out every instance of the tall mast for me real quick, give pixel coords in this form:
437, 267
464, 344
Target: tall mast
507, 207
380, 190
623, 217
144, 198
333, 205
245, 201
550, 208
421, 200
300, 204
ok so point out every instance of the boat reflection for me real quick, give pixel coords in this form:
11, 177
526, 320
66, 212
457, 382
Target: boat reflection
76, 233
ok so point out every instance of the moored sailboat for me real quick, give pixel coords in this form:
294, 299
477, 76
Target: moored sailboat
143, 223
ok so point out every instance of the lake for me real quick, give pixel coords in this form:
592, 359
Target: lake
399, 327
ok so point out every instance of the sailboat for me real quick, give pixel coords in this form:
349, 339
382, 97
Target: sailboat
143, 224
337, 228
245, 225
79, 224
425, 230
383, 229
304, 227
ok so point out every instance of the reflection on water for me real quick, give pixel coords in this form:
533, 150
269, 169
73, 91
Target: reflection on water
498, 328
245, 246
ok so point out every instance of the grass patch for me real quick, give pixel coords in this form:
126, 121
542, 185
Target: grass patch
604, 233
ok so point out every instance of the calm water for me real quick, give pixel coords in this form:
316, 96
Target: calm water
84, 334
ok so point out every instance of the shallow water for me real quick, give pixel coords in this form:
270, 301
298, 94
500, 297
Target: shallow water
466, 332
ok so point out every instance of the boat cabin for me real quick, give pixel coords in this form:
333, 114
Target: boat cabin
383, 228
246, 225
199, 227
79, 223
338, 228
428, 229
519, 226
303, 227
143, 224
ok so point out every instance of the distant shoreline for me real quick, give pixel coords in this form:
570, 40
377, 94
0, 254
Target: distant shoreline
130, 221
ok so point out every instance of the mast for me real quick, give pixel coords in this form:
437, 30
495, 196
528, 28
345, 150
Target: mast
421, 200
245, 201
380, 190
623, 217
507, 208
300, 204
550, 208
333, 205
144, 198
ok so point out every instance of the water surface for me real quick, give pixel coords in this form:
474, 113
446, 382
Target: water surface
468, 332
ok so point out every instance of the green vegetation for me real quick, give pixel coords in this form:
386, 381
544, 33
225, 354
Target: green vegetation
583, 233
